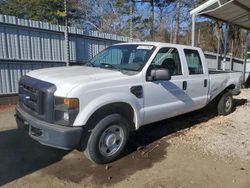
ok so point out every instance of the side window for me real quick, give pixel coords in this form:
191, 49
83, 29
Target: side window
193, 61
168, 58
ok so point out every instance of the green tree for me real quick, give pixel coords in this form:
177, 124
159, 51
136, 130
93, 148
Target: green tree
51, 11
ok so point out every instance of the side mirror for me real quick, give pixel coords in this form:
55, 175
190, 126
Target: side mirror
159, 74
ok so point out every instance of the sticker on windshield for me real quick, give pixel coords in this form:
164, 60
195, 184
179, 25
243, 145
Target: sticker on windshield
144, 47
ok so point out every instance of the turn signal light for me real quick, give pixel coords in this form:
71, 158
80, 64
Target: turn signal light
71, 103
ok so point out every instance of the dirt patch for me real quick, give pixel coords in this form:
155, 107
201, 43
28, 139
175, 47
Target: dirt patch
7, 108
109, 174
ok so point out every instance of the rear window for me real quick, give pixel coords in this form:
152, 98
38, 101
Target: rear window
193, 61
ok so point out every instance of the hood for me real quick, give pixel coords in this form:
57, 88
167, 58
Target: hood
66, 78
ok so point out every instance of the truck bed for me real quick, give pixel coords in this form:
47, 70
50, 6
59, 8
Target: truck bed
219, 80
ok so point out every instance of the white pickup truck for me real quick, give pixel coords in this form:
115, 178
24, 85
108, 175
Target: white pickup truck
95, 107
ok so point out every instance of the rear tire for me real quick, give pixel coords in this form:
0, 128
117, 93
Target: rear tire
108, 139
225, 104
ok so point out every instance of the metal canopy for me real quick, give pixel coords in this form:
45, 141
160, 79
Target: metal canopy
231, 11
235, 12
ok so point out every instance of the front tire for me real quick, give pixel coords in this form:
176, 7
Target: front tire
108, 139
225, 104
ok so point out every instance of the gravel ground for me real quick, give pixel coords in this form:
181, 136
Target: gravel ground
195, 150
223, 136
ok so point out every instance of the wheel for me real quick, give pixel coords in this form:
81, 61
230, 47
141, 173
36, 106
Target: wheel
108, 139
225, 104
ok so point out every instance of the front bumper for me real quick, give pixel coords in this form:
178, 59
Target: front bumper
46, 133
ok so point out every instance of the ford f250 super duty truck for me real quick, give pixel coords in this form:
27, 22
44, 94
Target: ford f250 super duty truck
95, 107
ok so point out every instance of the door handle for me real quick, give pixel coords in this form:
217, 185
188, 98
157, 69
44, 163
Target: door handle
184, 85
205, 83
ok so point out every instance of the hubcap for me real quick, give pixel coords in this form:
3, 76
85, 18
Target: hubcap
111, 140
228, 103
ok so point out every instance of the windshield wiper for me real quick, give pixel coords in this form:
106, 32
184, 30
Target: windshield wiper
107, 65
89, 63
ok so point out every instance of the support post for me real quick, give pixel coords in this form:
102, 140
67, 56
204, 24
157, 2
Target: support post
131, 21
225, 48
218, 53
66, 37
193, 30
152, 16
171, 33
232, 56
245, 59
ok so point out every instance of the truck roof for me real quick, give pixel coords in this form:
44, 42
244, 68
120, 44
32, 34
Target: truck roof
157, 44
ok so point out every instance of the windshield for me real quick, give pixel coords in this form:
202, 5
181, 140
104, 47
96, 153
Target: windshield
131, 57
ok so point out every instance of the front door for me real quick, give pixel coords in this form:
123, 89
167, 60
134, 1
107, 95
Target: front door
167, 98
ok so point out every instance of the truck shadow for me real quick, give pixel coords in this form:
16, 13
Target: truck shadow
20, 155
172, 126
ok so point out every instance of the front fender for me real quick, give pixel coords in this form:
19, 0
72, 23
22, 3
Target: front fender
106, 99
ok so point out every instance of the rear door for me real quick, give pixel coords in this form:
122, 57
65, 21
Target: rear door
197, 80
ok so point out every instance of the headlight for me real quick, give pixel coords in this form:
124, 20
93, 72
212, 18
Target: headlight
65, 110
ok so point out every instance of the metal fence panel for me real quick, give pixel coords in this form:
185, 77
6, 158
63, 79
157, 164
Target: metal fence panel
10, 73
33, 40
27, 45
212, 63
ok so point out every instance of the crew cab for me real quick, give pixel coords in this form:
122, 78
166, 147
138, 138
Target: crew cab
95, 107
